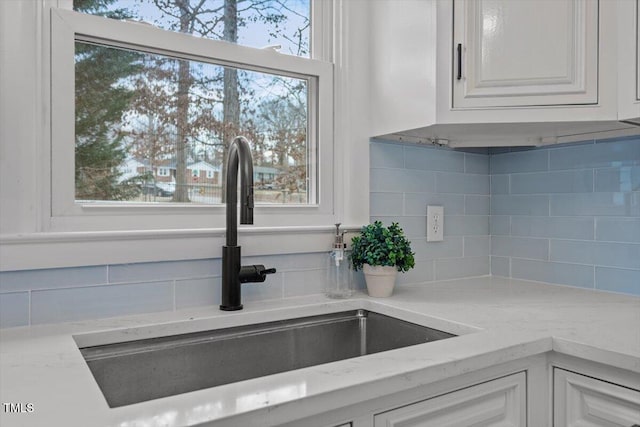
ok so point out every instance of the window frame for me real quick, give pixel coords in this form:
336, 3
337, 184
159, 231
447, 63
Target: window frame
66, 214
26, 238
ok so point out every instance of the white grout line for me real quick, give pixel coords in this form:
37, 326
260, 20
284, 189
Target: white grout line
29, 308
548, 160
174, 295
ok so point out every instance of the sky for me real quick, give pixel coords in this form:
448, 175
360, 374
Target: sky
255, 34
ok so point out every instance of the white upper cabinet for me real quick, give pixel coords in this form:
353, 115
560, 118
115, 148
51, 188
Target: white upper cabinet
501, 72
525, 53
629, 61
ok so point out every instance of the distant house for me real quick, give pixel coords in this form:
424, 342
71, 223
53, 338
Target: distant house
263, 175
130, 168
198, 173
203, 173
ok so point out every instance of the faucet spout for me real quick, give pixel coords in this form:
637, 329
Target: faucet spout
233, 274
239, 157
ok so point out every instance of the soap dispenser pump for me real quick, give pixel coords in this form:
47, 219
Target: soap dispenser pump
339, 273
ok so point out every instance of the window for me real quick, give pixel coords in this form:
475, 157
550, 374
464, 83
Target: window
165, 100
134, 105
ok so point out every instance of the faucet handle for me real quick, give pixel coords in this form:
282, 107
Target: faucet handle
254, 273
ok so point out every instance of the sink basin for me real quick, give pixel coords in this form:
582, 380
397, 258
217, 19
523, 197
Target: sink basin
138, 371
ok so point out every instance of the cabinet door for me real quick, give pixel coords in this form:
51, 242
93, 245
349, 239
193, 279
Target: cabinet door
583, 401
525, 53
500, 402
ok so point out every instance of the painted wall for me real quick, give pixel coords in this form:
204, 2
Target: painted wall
568, 215
405, 178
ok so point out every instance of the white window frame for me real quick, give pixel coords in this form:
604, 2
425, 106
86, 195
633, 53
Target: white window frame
209, 174
28, 236
162, 171
67, 215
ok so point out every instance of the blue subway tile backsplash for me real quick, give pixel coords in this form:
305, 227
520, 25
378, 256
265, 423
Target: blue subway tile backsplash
458, 181
579, 275
74, 304
618, 280
28, 298
500, 184
552, 227
477, 205
618, 229
578, 181
521, 247
163, 271
462, 183
585, 208
621, 204
519, 162
197, 292
433, 160
455, 269
624, 178
416, 203
610, 153
567, 215
14, 309
476, 163
499, 225
517, 204
11, 281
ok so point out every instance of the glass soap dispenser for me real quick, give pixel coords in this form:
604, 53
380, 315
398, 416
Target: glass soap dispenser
339, 271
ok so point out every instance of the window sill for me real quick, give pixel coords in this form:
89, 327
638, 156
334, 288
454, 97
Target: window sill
73, 249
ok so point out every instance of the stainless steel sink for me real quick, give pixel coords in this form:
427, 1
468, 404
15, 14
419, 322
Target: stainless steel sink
137, 371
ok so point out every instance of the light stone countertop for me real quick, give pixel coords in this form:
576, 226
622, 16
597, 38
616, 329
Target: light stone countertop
498, 320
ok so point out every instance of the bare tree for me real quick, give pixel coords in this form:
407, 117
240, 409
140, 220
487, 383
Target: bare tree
210, 110
285, 122
231, 106
181, 193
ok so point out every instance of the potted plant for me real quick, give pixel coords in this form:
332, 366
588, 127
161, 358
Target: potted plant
381, 252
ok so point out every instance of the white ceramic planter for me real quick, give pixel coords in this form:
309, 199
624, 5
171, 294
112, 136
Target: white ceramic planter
380, 279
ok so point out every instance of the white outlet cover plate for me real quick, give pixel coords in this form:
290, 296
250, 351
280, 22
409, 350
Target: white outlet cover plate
435, 223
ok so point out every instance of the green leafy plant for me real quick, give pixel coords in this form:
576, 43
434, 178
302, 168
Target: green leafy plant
380, 245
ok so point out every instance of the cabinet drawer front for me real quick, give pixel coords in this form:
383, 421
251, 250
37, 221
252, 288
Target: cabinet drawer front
500, 402
525, 53
581, 401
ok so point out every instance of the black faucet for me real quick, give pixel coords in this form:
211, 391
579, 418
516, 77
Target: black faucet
233, 274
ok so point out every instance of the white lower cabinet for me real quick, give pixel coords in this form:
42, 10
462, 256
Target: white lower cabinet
500, 402
582, 401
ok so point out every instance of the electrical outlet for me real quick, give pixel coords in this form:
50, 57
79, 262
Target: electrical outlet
435, 223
